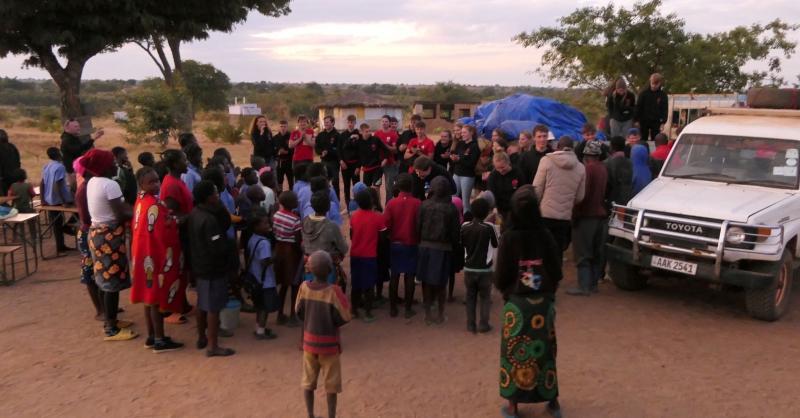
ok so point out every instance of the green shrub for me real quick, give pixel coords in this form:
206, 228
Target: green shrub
153, 113
438, 130
226, 132
212, 116
49, 120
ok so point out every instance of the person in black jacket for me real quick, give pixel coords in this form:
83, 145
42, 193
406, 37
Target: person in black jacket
621, 105
284, 155
425, 170
479, 240
327, 147
263, 144
73, 145
348, 158
652, 109
528, 162
211, 248
371, 159
503, 181
618, 188
465, 157
9, 162
404, 139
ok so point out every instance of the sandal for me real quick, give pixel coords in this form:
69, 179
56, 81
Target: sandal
226, 353
124, 323
201, 344
556, 413
191, 311
505, 414
175, 319
122, 335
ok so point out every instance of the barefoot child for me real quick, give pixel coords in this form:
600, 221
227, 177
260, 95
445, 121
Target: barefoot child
323, 309
288, 253
158, 277
480, 242
367, 229
261, 268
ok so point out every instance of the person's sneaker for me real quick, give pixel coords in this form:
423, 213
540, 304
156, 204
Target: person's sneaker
486, 330
150, 341
166, 346
267, 335
577, 291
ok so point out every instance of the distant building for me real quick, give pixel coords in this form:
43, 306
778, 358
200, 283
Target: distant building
367, 109
243, 109
446, 111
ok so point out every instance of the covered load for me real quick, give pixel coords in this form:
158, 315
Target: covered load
772, 98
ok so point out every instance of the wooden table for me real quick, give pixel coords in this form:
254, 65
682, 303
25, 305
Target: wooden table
22, 220
48, 225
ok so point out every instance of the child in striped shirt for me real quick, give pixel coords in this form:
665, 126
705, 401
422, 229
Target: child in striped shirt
286, 226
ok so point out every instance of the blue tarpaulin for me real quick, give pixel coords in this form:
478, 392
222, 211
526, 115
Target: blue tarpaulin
521, 112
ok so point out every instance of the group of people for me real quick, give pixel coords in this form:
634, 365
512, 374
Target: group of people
504, 213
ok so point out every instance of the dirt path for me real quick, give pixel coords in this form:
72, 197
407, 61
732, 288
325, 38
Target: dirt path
674, 350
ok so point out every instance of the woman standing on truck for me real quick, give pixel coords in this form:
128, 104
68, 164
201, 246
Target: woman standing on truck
528, 270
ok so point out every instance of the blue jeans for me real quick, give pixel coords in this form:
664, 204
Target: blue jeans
464, 189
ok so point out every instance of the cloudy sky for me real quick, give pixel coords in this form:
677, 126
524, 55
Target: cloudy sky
404, 41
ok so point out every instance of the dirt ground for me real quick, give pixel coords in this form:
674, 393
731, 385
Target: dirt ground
677, 349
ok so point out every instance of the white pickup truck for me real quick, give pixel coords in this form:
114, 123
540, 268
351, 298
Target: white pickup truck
726, 208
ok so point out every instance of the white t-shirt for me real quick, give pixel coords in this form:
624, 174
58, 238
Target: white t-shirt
270, 200
99, 192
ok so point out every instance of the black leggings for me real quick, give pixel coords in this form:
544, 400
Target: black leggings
349, 179
109, 303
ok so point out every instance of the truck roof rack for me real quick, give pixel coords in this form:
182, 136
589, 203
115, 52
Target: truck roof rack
747, 111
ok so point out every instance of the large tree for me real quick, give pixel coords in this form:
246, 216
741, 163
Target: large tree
206, 84
595, 45
189, 20
72, 30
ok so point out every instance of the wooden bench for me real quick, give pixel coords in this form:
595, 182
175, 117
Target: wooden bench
5, 251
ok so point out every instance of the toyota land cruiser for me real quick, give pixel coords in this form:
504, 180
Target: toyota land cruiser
726, 209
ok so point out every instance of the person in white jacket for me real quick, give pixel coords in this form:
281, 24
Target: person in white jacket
560, 184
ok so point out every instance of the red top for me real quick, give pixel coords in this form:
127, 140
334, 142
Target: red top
302, 151
177, 190
425, 146
390, 139
366, 226
401, 219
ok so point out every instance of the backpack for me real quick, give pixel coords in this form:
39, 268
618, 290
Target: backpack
249, 283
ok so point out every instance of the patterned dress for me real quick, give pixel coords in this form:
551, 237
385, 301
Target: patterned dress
159, 276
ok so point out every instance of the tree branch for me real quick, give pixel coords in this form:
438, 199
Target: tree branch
147, 49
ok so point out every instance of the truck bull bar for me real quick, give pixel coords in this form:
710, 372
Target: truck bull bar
757, 239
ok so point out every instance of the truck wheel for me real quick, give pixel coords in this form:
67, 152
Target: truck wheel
626, 276
769, 304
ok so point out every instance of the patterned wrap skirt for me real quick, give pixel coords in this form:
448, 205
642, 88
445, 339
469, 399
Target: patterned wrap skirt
107, 243
87, 266
528, 349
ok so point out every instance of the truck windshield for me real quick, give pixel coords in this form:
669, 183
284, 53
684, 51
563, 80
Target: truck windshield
735, 160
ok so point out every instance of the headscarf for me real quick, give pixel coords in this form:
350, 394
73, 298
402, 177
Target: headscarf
641, 172
359, 187
78, 166
98, 161
489, 197
525, 214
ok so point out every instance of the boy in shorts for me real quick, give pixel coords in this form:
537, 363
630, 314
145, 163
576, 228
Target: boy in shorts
323, 308
260, 265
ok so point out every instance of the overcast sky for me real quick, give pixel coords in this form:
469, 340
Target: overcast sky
404, 41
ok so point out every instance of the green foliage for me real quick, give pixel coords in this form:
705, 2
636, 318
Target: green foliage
595, 45
49, 120
447, 92
153, 113
212, 116
226, 132
207, 85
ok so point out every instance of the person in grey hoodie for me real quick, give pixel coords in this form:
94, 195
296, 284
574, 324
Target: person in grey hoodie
322, 234
439, 231
560, 184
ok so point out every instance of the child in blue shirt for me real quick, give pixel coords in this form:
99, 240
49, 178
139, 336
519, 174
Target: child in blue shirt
352, 207
260, 266
55, 192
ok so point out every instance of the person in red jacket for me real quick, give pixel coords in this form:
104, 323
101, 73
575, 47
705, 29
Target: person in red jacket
588, 218
302, 141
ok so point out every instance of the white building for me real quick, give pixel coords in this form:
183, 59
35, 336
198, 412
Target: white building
366, 108
243, 109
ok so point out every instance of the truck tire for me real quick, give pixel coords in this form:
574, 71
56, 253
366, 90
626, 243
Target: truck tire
626, 276
769, 304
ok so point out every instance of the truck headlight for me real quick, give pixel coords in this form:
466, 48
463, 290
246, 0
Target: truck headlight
735, 235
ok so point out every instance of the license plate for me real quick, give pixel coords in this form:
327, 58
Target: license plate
674, 265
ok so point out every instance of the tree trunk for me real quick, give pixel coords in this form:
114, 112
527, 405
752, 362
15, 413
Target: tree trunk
166, 70
175, 47
186, 113
68, 80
